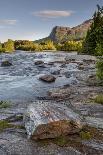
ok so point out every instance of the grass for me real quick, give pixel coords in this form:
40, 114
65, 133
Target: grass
4, 104
85, 135
61, 141
4, 125
99, 99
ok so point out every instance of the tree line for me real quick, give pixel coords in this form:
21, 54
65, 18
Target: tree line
27, 45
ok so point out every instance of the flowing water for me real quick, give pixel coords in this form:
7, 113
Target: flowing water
20, 82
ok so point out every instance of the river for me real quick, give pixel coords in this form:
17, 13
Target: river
20, 82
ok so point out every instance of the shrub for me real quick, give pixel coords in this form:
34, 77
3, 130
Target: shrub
99, 99
9, 46
4, 104
99, 67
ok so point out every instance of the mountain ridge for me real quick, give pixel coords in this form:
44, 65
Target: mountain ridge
61, 33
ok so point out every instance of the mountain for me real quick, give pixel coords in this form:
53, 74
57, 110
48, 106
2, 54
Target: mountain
60, 34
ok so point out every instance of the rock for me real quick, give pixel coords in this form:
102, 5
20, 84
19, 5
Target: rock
42, 66
67, 74
50, 63
72, 60
94, 122
81, 58
47, 78
63, 65
55, 72
39, 62
81, 67
89, 61
17, 144
6, 63
58, 93
93, 81
49, 120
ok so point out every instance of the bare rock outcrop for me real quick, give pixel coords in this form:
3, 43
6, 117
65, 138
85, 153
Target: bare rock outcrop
49, 120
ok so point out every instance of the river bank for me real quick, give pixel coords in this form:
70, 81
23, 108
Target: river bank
20, 86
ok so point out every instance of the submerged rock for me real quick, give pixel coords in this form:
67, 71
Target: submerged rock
49, 120
47, 78
6, 63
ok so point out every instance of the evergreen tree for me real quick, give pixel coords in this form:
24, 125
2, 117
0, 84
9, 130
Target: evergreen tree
94, 36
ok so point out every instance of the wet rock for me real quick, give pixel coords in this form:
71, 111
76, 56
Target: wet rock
47, 78
39, 62
6, 63
63, 65
49, 120
72, 60
55, 72
42, 66
67, 74
81, 67
89, 61
80, 58
50, 63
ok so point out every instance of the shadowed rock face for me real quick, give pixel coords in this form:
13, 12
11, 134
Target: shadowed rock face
49, 120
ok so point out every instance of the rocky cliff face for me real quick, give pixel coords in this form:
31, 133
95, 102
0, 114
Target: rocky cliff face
59, 33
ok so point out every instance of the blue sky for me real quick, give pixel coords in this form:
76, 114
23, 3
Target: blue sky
34, 19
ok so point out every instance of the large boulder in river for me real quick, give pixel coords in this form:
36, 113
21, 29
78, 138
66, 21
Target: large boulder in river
47, 78
6, 63
49, 120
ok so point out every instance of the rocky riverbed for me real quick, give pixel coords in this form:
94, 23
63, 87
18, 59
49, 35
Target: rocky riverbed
73, 85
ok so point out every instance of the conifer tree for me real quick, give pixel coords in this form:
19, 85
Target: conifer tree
94, 38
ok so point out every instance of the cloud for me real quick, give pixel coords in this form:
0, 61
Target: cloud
8, 22
49, 14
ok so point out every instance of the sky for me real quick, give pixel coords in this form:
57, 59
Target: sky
34, 19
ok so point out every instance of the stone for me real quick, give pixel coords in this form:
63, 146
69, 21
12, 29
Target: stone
55, 72
39, 62
17, 144
81, 67
47, 78
50, 120
89, 61
63, 65
67, 74
93, 81
58, 93
42, 66
6, 63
